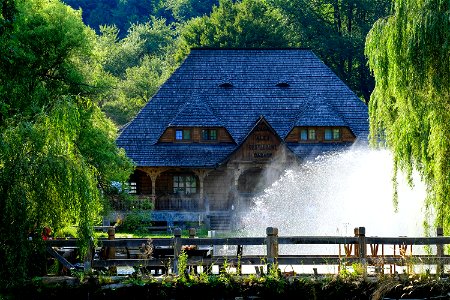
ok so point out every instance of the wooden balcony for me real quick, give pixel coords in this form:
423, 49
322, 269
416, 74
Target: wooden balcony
179, 204
138, 203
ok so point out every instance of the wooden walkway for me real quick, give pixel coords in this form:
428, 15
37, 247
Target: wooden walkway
164, 253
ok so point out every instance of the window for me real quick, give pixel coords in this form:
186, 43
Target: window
184, 184
307, 134
332, 134
182, 134
209, 134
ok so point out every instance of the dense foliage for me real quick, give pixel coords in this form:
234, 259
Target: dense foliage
231, 286
245, 24
57, 150
409, 53
134, 67
124, 13
334, 30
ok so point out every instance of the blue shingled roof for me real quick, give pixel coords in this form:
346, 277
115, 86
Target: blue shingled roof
311, 150
196, 113
176, 155
192, 96
319, 114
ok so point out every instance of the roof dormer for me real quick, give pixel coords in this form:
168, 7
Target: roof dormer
283, 84
226, 85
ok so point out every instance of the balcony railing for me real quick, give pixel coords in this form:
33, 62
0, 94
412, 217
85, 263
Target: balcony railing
182, 204
166, 202
131, 204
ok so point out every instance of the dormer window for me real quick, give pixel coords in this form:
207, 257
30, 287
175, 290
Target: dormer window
226, 85
308, 134
182, 134
209, 134
283, 84
332, 134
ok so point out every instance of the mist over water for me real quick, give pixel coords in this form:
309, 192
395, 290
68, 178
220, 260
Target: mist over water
336, 192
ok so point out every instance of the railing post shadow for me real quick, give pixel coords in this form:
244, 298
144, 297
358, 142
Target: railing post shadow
360, 233
87, 263
439, 252
272, 247
176, 248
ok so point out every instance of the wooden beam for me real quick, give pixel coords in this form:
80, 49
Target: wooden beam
60, 258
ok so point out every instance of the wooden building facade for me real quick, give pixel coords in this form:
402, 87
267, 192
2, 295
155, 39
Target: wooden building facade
228, 122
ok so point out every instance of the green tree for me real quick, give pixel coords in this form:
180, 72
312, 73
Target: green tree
184, 10
57, 149
133, 67
335, 30
119, 13
250, 23
410, 107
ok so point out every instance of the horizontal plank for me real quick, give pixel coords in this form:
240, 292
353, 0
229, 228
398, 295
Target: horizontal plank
130, 262
134, 242
408, 240
306, 240
317, 240
224, 241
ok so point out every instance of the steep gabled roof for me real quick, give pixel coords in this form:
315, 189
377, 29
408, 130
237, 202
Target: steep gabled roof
193, 95
319, 114
196, 113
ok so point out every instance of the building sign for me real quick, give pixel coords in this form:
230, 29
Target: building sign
261, 145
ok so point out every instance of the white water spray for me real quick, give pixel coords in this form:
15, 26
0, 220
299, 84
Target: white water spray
337, 192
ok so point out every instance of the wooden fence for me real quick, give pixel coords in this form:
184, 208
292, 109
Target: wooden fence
366, 251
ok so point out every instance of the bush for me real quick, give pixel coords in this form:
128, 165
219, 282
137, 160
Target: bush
135, 221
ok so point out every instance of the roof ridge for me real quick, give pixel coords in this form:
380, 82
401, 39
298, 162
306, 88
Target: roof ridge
335, 111
320, 102
185, 104
208, 106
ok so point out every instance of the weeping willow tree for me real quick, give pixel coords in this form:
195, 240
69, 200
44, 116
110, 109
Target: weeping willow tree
57, 149
409, 54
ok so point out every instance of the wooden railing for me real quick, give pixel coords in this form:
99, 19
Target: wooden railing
367, 251
180, 204
144, 203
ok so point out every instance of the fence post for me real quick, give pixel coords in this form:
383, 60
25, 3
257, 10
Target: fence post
439, 252
192, 233
111, 254
360, 232
111, 251
176, 248
272, 247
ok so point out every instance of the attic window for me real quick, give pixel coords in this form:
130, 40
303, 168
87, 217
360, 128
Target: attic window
226, 85
182, 134
283, 84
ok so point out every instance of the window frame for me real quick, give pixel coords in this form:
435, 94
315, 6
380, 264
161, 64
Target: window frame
209, 135
332, 131
184, 184
309, 137
186, 134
